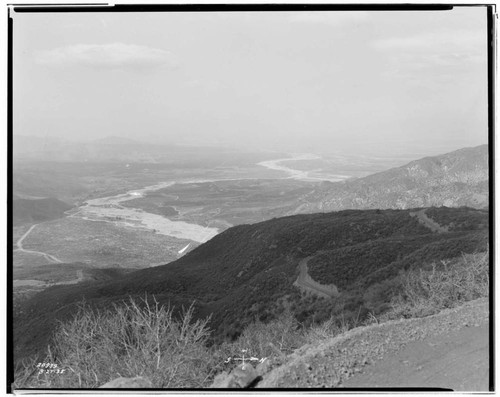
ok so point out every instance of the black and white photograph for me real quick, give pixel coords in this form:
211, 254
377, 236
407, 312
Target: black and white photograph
258, 197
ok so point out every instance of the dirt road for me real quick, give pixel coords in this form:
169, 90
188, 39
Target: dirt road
304, 281
20, 241
457, 360
428, 222
448, 350
48, 257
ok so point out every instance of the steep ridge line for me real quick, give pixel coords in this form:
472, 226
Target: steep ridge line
331, 363
428, 222
305, 282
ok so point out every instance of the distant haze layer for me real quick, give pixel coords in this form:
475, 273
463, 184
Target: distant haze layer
377, 83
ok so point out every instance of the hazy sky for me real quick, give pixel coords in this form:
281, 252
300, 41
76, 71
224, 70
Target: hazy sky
299, 81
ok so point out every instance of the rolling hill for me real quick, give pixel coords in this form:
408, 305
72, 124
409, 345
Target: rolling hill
37, 210
459, 178
248, 272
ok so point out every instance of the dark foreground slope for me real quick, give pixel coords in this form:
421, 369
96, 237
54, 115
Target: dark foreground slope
459, 178
247, 272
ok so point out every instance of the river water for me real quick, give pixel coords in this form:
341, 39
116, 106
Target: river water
109, 209
313, 175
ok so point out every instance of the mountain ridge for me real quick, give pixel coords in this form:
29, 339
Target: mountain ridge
458, 178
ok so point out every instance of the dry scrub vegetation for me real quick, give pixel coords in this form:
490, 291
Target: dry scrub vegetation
446, 285
134, 338
144, 339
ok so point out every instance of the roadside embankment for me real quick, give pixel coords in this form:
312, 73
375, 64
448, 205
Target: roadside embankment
330, 364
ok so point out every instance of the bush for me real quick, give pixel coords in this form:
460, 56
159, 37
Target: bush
129, 340
447, 284
328, 329
277, 338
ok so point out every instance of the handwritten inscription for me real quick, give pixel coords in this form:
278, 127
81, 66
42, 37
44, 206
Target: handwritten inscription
49, 368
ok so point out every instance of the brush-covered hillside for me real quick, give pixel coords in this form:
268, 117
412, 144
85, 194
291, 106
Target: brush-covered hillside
251, 272
37, 210
459, 178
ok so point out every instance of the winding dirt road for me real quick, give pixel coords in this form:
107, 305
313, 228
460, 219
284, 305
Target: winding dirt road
48, 257
428, 222
305, 282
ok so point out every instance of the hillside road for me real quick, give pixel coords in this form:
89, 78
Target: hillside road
304, 281
428, 222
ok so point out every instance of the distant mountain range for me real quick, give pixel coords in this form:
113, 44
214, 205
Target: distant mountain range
248, 272
107, 149
459, 178
113, 149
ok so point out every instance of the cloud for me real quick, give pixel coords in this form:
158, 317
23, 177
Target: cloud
333, 18
208, 85
450, 41
112, 56
431, 59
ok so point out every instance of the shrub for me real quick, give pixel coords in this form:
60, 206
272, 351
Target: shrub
129, 340
330, 328
447, 284
275, 339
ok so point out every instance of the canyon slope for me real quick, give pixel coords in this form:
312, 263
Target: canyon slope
455, 179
